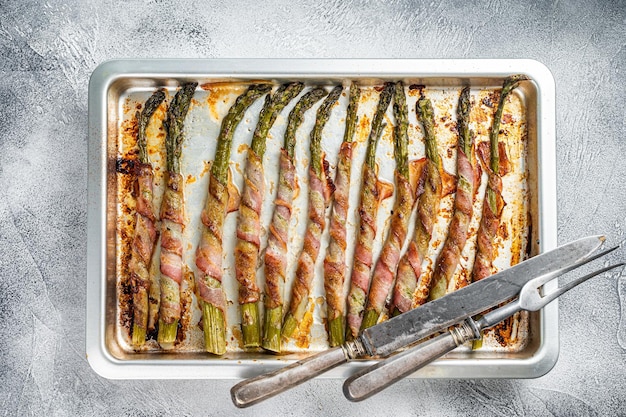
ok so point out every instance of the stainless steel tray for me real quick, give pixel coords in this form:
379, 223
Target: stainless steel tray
114, 83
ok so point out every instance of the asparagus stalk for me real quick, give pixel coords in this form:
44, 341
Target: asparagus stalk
385, 269
335, 268
276, 252
467, 185
494, 203
172, 219
145, 229
209, 252
407, 292
372, 193
249, 224
320, 191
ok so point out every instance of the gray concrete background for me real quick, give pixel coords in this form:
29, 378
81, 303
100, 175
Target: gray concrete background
48, 51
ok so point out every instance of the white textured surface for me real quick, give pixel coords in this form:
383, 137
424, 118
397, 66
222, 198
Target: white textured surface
50, 49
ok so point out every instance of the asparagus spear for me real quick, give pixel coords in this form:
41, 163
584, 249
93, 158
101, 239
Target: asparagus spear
494, 159
209, 252
494, 203
172, 219
335, 267
406, 290
145, 229
249, 224
467, 185
276, 252
372, 193
385, 269
320, 191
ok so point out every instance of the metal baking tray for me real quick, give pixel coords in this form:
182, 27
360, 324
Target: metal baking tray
116, 87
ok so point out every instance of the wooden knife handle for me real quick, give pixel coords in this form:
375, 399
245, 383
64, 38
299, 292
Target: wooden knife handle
254, 390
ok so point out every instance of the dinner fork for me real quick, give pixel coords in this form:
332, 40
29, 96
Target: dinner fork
374, 379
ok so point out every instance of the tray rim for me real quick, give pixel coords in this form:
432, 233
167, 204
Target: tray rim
107, 73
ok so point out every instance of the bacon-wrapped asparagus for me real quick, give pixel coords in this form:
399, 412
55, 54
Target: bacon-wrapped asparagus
493, 203
407, 292
335, 268
372, 193
145, 228
468, 181
276, 252
406, 189
172, 219
494, 158
209, 252
249, 223
320, 191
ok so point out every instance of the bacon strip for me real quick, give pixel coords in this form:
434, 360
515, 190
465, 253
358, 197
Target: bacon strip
448, 260
373, 192
490, 221
335, 261
412, 285
249, 230
409, 267
143, 243
276, 252
209, 252
171, 248
387, 264
494, 157
320, 191
469, 174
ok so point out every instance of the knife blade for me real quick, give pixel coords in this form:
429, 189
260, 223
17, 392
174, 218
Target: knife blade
414, 325
434, 316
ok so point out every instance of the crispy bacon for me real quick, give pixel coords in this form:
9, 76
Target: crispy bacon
249, 230
143, 244
386, 266
209, 252
373, 192
335, 261
490, 221
171, 248
320, 191
409, 267
446, 264
276, 252
469, 174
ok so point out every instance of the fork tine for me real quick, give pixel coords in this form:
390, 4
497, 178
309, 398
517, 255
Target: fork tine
546, 299
599, 255
541, 280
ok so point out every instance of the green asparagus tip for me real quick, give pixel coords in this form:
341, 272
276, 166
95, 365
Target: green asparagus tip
351, 113
289, 326
337, 330
296, 116
250, 325
149, 108
139, 335
401, 114
214, 329
167, 332
369, 319
219, 168
323, 114
273, 327
463, 118
426, 116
